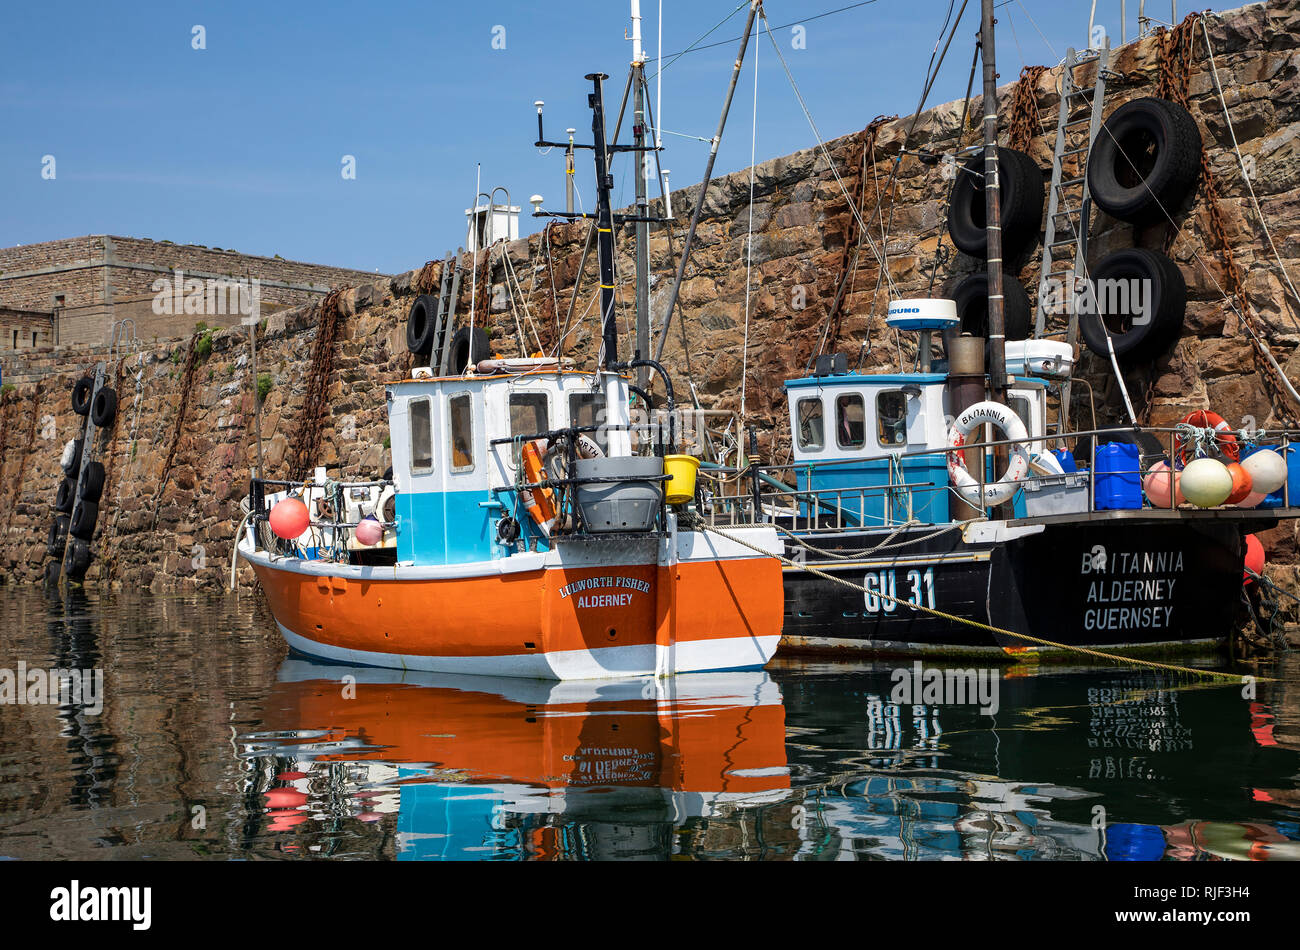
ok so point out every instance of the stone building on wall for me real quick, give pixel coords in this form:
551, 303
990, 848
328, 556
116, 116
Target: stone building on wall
75, 290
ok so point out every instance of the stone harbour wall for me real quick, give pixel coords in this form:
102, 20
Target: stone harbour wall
178, 459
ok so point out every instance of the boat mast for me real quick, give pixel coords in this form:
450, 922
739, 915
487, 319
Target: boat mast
997, 368
604, 216
642, 203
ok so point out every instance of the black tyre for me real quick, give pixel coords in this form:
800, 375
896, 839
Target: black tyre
74, 465
1141, 299
52, 572
83, 520
79, 558
66, 496
1021, 205
57, 536
468, 346
104, 412
971, 294
81, 393
421, 323
92, 485
1145, 161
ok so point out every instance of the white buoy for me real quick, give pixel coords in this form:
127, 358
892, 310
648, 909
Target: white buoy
1206, 482
1267, 470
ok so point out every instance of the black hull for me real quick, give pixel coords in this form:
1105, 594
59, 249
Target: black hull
1128, 584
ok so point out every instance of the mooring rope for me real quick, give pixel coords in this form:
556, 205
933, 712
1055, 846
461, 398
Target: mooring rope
1086, 651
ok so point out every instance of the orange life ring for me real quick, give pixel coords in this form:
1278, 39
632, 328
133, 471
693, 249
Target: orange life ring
1204, 419
539, 501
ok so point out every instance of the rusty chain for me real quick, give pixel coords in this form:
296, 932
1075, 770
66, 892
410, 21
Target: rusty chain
1022, 126
306, 440
1175, 68
187, 386
852, 234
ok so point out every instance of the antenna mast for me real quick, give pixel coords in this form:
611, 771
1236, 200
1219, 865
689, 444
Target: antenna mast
992, 209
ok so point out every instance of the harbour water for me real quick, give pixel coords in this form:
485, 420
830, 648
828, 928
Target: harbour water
213, 744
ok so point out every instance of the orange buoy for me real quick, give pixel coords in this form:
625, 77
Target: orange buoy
1254, 558
1242, 483
289, 518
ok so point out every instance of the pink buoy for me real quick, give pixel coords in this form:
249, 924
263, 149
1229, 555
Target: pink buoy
370, 530
289, 518
1254, 558
1156, 484
1252, 500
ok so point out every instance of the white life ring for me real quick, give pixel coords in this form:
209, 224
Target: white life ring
1012, 428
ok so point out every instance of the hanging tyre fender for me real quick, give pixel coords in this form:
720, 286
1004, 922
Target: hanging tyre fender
1143, 320
1009, 424
79, 558
1145, 161
81, 392
468, 346
57, 536
66, 496
92, 485
83, 520
1020, 209
104, 411
421, 322
971, 295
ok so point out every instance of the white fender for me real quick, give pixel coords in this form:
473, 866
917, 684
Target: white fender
1003, 418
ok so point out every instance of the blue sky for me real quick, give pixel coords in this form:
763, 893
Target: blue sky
241, 144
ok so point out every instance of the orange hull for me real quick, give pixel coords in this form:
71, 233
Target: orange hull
554, 622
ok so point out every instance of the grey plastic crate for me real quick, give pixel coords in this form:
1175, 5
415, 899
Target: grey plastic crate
619, 506
1056, 494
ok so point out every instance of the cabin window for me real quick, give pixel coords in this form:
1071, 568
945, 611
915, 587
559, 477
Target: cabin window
461, 432
421, 437
588, 409
812, 434
891, 418
528, 415
850, 421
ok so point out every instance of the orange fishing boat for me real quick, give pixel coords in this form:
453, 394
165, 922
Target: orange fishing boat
465, 580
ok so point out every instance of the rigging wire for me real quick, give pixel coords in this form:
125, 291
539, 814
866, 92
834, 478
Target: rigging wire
825, 151
749, 254
693, 48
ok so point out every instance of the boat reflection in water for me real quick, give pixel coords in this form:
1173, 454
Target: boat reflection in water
481, 767
804, 762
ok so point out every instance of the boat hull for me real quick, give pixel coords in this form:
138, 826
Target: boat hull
1125, 585
587, 610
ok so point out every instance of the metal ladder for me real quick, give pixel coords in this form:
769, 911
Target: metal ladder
448, 292
1069, 202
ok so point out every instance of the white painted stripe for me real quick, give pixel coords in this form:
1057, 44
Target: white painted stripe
732, 653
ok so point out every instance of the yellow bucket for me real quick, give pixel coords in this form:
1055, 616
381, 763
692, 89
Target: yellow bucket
680, 487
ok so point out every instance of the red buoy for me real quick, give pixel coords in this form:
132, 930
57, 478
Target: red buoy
289, 518
1254, 558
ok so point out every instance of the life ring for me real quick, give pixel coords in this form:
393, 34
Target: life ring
540, 502
1012, 428
1224, 437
